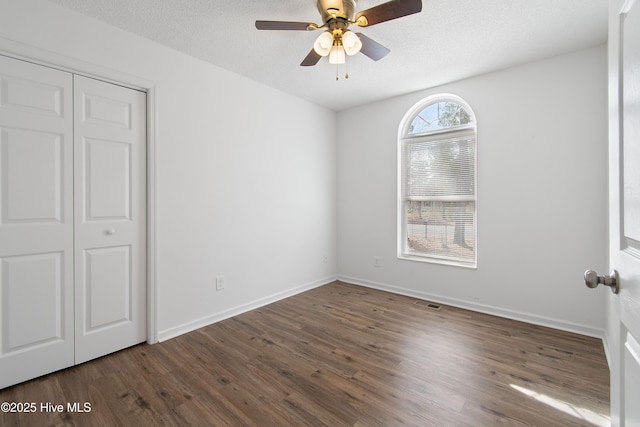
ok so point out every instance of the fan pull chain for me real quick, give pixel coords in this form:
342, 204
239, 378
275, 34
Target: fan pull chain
346, 69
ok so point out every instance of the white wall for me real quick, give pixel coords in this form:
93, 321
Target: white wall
246, 175
542, 149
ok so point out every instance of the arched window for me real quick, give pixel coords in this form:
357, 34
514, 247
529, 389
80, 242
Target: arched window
437, 182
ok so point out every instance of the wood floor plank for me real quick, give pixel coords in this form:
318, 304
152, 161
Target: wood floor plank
338, 355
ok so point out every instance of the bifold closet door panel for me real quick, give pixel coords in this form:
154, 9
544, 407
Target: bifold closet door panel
110, 211
36, 221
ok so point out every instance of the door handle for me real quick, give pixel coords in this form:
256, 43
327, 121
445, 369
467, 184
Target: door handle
592, 280
110, 232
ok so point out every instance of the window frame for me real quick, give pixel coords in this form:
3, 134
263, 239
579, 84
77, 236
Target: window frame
453, 133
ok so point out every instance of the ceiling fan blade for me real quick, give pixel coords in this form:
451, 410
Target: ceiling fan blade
372, 48
311, 59
286, 25
388, 11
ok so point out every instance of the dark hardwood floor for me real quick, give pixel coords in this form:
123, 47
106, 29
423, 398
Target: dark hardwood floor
338, 355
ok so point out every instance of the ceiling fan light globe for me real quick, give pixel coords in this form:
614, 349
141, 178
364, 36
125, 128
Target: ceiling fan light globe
337, 55
323, 44
351, 43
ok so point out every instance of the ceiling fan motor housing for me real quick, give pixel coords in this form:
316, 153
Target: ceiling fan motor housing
330, 9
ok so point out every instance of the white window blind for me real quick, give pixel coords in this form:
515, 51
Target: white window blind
438, 184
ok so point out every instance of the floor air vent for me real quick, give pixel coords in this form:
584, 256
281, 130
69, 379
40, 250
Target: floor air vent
431, 305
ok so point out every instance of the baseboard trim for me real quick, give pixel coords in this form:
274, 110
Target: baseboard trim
217, 317
481, 308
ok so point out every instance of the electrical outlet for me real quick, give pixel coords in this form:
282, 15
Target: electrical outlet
219, 283
376, 261
325, 258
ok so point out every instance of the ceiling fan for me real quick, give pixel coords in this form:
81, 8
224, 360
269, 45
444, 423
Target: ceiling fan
337, 40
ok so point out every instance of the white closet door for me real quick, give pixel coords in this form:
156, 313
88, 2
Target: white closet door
110, 209
36, 221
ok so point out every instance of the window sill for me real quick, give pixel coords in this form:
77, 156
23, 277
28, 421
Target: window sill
440, 261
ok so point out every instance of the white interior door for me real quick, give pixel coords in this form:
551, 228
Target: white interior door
624, 189
110, 209
36, 221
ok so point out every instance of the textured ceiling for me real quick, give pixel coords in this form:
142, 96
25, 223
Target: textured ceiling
447, 41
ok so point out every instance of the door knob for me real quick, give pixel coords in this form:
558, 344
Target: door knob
592, 280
